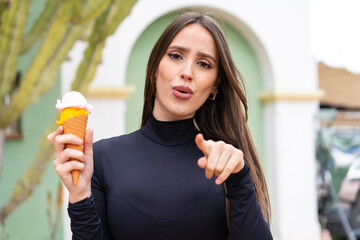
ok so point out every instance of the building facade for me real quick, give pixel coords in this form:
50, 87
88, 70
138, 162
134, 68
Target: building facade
270, 43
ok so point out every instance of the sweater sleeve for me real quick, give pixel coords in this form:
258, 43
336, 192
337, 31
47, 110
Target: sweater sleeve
89, 216
85, 223
245, 216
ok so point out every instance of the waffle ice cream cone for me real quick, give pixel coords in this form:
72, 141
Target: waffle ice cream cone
76, 126
74, 115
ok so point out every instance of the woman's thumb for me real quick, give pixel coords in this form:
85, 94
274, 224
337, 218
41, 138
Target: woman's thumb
88, 141
202, 144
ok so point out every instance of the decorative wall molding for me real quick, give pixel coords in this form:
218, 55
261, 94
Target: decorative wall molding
273, 96
123, 92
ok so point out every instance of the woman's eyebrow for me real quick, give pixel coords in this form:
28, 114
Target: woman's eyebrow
202, 54
184, 49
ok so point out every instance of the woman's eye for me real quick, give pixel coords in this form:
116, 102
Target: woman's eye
205, 65
175, 56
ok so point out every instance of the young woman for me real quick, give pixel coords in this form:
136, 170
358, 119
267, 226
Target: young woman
150, 184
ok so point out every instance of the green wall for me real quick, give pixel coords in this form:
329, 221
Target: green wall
244, 58
30, 220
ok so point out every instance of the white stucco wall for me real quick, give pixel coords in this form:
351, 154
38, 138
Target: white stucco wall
278, 30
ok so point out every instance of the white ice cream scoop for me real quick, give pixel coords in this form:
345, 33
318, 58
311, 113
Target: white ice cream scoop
73, 99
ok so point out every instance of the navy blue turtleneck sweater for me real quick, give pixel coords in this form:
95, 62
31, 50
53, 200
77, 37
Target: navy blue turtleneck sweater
147, 185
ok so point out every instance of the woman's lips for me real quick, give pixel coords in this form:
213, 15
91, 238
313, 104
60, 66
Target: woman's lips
182, 92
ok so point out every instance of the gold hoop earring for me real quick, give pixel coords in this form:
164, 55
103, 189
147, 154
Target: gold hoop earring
213, 94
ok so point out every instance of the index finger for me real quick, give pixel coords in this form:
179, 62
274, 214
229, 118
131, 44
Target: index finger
202, 144
51, 136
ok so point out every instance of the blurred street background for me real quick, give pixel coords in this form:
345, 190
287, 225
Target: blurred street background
300, 60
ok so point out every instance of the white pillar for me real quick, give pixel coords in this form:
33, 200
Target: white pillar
290, 137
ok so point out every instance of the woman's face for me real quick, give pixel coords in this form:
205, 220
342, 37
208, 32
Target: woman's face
186, 74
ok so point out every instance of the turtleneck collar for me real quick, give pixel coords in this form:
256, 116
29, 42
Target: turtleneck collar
169, 133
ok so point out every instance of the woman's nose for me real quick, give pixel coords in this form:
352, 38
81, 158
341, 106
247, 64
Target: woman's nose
187, 73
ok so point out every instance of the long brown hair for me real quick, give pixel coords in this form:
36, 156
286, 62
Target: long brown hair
225, 118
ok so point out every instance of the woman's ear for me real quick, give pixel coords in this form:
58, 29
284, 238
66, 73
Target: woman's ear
153, 79
217, 83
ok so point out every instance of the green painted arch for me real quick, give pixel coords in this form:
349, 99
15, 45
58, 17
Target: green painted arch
243, 55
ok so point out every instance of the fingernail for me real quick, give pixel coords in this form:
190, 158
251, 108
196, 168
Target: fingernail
217, 181
79, 140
